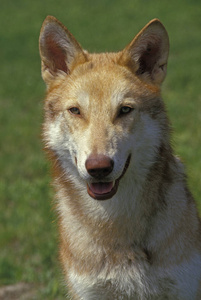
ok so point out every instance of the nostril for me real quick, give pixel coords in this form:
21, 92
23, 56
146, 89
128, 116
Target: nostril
99, 166
99, 172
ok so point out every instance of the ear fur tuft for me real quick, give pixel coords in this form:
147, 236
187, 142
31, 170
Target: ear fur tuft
59, 50
147, 54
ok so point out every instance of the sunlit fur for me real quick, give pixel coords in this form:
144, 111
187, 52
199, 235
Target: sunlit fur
144, 242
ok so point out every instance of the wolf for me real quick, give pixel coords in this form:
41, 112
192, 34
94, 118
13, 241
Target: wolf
128, 224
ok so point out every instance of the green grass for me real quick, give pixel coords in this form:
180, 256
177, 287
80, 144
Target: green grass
28, 235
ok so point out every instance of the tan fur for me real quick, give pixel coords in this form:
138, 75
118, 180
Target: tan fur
143, 241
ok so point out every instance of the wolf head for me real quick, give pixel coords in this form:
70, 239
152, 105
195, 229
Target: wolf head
104, 116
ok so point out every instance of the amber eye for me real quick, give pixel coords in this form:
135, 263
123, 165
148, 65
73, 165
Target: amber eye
125, 110
74, 110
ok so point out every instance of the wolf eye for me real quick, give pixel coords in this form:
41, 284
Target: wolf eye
125, 110
74, 110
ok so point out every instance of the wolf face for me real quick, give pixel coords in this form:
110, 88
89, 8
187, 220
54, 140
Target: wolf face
103, 112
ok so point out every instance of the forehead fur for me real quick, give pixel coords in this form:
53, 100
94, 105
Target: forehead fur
101, 77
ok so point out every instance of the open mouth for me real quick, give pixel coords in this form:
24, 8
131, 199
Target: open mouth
106, 190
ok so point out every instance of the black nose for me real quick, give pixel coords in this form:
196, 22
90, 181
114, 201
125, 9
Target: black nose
99, 166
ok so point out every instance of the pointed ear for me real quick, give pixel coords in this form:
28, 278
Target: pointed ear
59, 50
147, 54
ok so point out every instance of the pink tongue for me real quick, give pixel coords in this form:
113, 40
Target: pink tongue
101, 187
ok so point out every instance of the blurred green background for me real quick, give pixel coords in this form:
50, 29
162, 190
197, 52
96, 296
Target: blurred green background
28, 235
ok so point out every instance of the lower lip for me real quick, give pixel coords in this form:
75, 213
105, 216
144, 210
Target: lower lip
112, 192
103, 196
